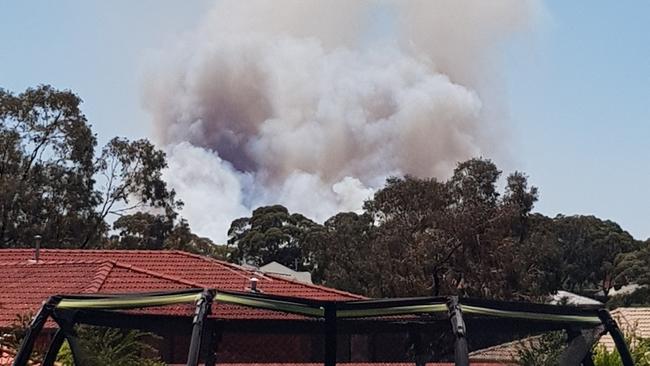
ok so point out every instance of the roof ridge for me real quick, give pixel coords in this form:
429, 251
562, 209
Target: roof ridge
227, 265
74, 250
505, 345
231, 267
31, 262
160, 275
272, 276
100, 277
632, 308
319, 287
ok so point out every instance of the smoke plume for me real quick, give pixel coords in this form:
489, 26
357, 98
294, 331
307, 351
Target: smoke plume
312, 104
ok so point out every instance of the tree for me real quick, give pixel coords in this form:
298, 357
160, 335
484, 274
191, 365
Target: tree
52, 185
413, 248
132, 178
423, 237
182, 238
46, 168
632, 268
342, 253
270, 234
590, 247
521, 200
143, 230
416, 237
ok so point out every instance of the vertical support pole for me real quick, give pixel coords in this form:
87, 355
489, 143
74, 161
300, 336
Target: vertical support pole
27, 345
615, 332
53, 349
203, 306
330, 334
215, 338
461, 352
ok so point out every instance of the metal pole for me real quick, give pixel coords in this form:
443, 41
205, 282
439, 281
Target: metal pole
612, 327
215, 337
330, 335
53, 349
27, 345
461, 352
203, 306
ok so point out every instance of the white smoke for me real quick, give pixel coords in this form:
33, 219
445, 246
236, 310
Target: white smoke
312, 104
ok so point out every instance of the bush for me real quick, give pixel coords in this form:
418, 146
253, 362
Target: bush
543, 350
111, 347
639, 348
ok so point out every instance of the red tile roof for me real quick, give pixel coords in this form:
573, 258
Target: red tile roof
26, 284
206, 272
506, 353
632, 321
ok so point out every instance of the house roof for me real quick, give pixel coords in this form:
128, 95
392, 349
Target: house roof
630, 320
569, 298
198, 269
26, 284
275, 268
505, 353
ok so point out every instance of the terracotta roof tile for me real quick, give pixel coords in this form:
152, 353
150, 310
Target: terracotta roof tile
24, 287
26, 284
194, 268
505, 352
630, 320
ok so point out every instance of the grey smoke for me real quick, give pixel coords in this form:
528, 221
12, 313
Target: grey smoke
310, 104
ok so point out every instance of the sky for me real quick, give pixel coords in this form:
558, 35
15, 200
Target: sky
578, 91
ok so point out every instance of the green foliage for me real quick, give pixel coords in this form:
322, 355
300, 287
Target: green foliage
543, 350
111, 347
590, 248
342, 253
640, 297
416, 237
455, 237
639, 349
633, 267
182, 238
52, 184
270, 234
46, 168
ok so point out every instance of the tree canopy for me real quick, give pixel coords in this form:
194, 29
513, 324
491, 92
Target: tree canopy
270, 234
54, 185
422, 236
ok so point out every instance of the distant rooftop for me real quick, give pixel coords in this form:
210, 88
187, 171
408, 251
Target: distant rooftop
275, 268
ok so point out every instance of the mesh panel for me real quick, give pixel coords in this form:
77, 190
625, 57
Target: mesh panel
376, 340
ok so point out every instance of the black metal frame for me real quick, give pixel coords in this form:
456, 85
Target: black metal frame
35, 328
204, 332
203, 306
458, 328
619, 340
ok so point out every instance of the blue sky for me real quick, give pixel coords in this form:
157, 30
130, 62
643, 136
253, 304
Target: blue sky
579, 97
